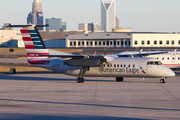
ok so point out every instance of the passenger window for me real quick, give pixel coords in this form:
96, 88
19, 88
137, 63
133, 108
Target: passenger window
129, 65
107, 65
121, 65
114, 65
104, 65
178, 58
124, 65
157, 58
110, 65
162, 58
168, 58
117, 65
134, 65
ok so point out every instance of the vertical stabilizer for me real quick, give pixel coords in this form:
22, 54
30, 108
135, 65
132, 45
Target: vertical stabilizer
33, 42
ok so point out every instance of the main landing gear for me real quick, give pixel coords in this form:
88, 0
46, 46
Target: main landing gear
83, 70
119, 79
80, 80
163, 80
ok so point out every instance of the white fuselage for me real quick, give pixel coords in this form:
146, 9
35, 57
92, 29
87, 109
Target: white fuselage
115, 67
170, 59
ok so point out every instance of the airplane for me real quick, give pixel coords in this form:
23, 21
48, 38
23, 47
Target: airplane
168, 58
89, 65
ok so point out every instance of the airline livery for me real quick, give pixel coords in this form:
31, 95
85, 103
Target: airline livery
89, 65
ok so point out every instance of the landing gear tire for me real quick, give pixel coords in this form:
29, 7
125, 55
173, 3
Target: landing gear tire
119, 79
80, 80
163, 81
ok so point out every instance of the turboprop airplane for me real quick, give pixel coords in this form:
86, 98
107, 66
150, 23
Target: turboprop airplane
89, 65
168, 58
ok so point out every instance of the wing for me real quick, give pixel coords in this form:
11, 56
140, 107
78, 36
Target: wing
67, 56
81, 60
139, 54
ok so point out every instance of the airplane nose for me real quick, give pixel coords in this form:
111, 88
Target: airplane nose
170, 73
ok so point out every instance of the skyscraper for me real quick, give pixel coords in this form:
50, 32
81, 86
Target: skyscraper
117, 23
108, 15
36, 16
83, 26
63, 26
93, 27
55, 24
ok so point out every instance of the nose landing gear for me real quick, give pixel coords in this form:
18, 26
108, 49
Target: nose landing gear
163, 80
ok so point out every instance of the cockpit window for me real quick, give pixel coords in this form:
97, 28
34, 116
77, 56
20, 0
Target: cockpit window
154, 63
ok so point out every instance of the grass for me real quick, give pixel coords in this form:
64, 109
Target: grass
15, 49
22, 69
24, 50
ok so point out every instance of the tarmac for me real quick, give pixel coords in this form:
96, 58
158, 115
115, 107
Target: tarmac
8, 60
58, 96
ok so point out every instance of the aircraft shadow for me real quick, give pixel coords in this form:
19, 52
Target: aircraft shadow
20, 116
91, 104
7, 77
24, 78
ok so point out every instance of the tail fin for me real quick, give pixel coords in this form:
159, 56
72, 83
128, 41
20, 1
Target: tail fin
33, 42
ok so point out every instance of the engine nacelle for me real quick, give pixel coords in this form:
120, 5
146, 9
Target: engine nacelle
82, 62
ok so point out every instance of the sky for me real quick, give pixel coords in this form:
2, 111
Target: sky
140, 15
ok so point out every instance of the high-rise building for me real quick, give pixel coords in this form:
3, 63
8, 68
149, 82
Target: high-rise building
36, 16
63, 26
55, 24
117, 23
93, 27
6, 28
108, 15
83, 26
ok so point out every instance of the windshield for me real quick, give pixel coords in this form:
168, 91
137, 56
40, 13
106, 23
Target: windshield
154, 63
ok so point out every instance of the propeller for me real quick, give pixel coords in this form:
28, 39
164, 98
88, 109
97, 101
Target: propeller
103, 59
105, 50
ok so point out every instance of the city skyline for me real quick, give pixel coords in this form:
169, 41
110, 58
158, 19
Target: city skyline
140, 15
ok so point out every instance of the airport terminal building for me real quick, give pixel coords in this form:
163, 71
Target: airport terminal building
124, 39
78, 39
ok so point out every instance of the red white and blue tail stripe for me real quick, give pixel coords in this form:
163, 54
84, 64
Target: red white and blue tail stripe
33, 43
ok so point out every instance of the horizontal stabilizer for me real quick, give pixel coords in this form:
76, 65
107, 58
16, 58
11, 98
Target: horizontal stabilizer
9, 25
